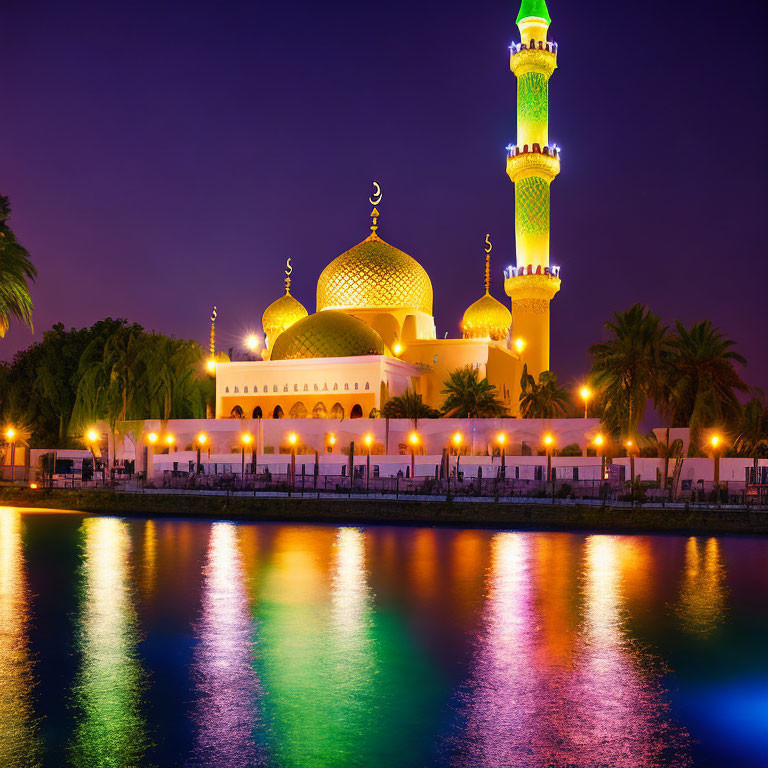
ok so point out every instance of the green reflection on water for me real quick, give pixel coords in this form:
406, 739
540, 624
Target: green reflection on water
333, 668
19, 741
110, 729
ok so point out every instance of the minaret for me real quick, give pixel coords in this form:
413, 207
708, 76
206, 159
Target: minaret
532, 164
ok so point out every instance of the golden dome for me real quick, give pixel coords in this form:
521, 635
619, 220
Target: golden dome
327, 334
280, 315
487, 318
374, 275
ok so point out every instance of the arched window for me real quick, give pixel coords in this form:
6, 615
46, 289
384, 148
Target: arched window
257, 412
277, 413
356, 412
335, 385
237, 390
298, 411
367, 385
266, 389
337, 412
245, 389
236, 412
319, 411
226, 390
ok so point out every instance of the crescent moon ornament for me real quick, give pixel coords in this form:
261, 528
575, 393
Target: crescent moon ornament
488, 243
375, 199
213, 315
288, 268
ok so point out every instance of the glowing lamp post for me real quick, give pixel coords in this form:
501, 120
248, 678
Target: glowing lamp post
368, 440
10, 436
397, 349
520, 345
252, 342
715, 443
599, 441
501, 439
170, 441
202, 440
245, 441
413, 441
331, 441
457, 440
210, 366
549, 442
91, 439
586, 394
293, 438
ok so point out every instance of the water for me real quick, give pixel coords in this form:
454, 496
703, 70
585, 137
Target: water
167, 642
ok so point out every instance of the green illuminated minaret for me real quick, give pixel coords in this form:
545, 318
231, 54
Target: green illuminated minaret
532, 164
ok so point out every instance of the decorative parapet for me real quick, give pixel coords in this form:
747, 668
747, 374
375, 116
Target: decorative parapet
522, 161
530, 290
539, 56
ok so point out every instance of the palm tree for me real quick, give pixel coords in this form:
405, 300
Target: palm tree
629, 368
752, 432
16, 272
409, 405
471, 397
545, 400
705, 382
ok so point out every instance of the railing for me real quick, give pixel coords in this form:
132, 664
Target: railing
538, 45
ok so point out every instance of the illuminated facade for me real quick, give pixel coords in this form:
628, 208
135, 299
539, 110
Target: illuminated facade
532, 164
373, 335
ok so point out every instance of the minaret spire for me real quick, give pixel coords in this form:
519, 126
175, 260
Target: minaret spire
288, 272
532, 164
488, 264
375, 200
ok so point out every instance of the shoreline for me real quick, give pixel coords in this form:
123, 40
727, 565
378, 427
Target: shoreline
462, 513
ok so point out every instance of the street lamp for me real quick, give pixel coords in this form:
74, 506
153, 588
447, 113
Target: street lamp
293, 438
630, 452
10, 436
599, 441
519, 345
501, 439
397, 348
715, 441
413, 441
201, 440
332, 441
586, 394
549, 441
245, 440
91, 438
252, 342
368, 440
170, 441
152, 438
210, 365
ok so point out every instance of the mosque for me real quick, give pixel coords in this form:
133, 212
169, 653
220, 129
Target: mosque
372, 336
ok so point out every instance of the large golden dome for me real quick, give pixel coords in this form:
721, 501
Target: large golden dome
327, 334
374, 275
280, 315
487, 318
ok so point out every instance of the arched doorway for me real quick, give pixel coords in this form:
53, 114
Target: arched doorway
257, 412
356, 412
236, 412
277, 413
337, 412
298, 411
319, 411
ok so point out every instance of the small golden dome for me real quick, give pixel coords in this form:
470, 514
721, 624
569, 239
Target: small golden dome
374, 275
487, 318
280, 315
327, 334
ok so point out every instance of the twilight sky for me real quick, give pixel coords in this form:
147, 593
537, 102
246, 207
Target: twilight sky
162, 157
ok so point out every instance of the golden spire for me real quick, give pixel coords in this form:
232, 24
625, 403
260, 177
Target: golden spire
288, 271
488, 263
374, 200
213, 332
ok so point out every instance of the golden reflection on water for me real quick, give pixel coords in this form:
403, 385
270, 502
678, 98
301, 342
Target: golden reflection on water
227, 691
19, 744
110, 726
703, 593
149, 566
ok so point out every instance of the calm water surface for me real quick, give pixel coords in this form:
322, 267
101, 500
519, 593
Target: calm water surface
167, 642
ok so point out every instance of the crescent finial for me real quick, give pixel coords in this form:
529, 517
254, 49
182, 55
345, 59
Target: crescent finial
213, 314
488, 243
375, 199
288, 268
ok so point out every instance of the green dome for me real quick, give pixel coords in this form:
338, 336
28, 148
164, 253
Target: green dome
537, 8
327, 334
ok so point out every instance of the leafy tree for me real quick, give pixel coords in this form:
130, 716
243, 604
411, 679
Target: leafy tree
409, 405
469, 396
16, 272
542, 400
752, 430
703, 381
629, 368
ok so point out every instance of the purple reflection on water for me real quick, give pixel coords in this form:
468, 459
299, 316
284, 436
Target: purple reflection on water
529, 702
226, 687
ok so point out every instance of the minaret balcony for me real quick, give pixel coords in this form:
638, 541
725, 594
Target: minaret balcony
533, 161
538, 56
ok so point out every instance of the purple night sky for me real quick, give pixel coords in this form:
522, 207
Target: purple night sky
164, 157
